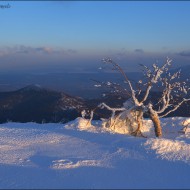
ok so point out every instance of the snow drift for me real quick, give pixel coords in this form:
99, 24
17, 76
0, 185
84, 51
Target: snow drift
83, 155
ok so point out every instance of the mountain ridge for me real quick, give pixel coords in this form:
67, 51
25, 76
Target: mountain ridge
35, 103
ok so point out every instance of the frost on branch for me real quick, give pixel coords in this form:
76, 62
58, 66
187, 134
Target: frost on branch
173, 94
126, 121
88, 121
185, 125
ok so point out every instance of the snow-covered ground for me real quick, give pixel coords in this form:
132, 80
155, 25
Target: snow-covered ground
75, 156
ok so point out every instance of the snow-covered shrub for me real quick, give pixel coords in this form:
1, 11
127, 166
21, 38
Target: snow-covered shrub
124, 123
155, 76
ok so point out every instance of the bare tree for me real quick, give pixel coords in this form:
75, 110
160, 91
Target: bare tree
155, 76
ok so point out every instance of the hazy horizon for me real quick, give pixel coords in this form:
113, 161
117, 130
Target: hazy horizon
73, 36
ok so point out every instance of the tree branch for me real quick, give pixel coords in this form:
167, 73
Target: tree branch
153, 78
117, 67
176, 107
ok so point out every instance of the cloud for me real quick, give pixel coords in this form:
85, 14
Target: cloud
72, 51
139, 51
45, 50
184, 53
5, 51
21, 49
2, 53
34, 50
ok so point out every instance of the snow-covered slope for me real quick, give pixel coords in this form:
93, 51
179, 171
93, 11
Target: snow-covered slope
77, 155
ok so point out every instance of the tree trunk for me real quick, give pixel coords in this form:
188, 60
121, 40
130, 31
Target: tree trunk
139, 120
156, 121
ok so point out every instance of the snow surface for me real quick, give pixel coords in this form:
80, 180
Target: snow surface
80, 155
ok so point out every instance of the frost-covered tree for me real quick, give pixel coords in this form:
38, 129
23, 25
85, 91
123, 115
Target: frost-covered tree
170, 85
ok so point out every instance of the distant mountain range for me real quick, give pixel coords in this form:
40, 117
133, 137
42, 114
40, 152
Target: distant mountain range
76, 84
34, 103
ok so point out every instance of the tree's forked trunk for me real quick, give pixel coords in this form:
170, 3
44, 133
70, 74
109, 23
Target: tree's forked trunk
157, 126
139, 119
156, 121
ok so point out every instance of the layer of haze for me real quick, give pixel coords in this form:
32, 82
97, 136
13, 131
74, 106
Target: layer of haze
73, 36
44, 37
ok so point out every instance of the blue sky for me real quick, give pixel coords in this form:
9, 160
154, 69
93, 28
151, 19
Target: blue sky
77, 34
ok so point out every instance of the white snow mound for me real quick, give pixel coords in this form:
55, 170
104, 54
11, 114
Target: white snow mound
85, 155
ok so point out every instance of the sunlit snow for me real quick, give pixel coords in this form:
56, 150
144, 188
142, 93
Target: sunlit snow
83, 155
